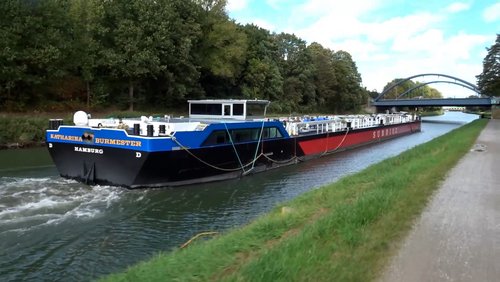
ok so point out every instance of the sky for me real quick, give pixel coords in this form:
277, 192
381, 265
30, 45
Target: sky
388, 39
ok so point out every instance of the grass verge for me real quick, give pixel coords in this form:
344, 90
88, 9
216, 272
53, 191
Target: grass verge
344, 231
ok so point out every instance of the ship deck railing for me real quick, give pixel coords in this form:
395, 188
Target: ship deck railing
296, 126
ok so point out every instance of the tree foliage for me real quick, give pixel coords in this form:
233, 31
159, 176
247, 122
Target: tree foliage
409, 89
489, 80
65, 54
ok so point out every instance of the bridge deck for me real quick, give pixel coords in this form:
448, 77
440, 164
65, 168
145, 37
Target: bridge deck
436, 102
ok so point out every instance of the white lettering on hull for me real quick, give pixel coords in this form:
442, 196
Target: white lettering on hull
385, 133
89, 150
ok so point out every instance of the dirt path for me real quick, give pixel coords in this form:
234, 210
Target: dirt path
457, 238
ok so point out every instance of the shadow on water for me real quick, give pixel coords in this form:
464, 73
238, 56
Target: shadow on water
57, 229
31, 162
444, 121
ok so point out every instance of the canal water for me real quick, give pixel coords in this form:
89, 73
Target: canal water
60, 230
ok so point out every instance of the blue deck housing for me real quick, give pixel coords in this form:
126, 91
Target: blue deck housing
121, 139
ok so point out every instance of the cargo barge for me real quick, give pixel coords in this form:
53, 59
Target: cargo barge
220, 139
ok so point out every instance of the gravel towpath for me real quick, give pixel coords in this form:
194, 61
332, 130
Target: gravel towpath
457, 237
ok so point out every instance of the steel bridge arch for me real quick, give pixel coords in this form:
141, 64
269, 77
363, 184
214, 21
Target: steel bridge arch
426, 74
438, 81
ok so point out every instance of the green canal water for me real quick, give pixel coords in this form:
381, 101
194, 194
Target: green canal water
59, 230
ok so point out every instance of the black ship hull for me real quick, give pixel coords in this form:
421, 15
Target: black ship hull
104, 165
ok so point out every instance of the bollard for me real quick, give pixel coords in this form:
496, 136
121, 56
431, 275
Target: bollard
55, 123
150, 130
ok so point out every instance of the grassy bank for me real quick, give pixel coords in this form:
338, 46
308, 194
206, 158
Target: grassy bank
20, 131
344, 231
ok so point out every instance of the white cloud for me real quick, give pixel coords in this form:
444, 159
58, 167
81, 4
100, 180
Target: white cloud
336, 7
428, 52
492, 13
361, 49
385, 48
276, 4
395, 47
236, 5
264, 24
401, 26
457, 7
460, 46
427, 41
337, 17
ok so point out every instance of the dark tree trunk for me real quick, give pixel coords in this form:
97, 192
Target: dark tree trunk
131, 96
88, 95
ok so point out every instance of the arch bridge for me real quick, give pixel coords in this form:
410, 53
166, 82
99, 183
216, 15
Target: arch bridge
400, 101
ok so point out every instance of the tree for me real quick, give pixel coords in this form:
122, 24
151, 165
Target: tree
262, 81
225, 49
397, 91
351, 94
178, 26
132, 36
261, 77
297, 71
489, 80
86, 18
324, 77
11, 71
35, 43
221, 51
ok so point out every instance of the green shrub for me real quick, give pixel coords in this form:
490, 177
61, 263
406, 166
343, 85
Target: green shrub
23, 130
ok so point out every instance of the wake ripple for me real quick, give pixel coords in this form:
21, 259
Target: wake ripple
27, 203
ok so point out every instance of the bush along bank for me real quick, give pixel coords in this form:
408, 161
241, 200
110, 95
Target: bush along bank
16, 132
344, 231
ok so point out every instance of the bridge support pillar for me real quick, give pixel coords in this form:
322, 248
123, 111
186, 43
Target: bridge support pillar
495, 112
383, 110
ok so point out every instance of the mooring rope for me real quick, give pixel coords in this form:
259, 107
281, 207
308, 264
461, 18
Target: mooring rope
338, 146
279, 162
206, 163
255, 157
234, 148
197, 236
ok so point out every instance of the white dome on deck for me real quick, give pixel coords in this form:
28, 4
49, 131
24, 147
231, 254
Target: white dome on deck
80, 118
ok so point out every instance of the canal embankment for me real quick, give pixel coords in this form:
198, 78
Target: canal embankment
21, 131
457, 236
347, 230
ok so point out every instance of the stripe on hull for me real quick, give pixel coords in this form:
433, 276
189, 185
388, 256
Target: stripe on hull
333, 142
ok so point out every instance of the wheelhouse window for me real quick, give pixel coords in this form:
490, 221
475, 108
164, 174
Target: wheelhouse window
241, 135
271, 132
227, 110
245, 135
255, 110
206, 109
216, 138
237, 109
